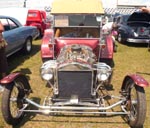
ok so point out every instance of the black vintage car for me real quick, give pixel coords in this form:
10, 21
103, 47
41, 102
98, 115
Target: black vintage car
136, 29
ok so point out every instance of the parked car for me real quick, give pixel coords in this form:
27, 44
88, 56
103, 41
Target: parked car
39, 19
76, 77
29, 17
121, 20
136, 29
17, 36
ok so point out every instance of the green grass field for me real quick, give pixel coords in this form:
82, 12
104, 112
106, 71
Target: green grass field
128, 60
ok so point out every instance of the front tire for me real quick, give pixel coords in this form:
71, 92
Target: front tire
136, 105
13, 101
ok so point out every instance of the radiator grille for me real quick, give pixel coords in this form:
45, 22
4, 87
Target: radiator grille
74, 83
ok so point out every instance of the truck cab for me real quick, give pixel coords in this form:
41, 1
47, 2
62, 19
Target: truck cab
38, 18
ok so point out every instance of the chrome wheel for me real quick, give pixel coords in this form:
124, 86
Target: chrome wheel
13, 102
135, 105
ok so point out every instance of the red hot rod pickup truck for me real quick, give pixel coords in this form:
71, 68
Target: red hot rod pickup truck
75, 54
39, 19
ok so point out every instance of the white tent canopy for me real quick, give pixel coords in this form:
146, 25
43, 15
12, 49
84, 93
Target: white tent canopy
77, 7
19, 13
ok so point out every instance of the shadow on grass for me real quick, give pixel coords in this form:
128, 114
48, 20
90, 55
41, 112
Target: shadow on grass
18, 58
25, 71
144, 73
29, 116
125, 118
66, 117
138, 45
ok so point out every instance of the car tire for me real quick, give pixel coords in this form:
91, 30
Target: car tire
13, 101
27, 48
119, 38
136, 104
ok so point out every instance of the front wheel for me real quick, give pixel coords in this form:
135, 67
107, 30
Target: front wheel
120, 38
13, 101
136, 105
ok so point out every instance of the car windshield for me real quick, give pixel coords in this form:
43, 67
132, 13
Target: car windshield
76, 20
125, 18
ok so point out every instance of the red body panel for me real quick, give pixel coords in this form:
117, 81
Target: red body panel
138, 80
107, 52
9, 78
61, 42
48, 52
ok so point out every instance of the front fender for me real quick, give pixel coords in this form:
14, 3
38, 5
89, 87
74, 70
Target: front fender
11, 78
137, 79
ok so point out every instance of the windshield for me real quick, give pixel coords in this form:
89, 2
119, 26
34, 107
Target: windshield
76, 20
125, 18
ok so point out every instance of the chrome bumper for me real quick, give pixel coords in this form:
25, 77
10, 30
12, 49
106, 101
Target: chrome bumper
138, 40
75, 109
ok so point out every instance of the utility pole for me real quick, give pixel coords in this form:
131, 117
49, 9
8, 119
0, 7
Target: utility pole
24, 5
117, 5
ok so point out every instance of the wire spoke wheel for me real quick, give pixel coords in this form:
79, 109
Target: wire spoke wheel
13, 101
133, 106
136, 105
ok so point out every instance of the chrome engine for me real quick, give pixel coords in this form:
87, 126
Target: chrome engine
75, 72
76, 53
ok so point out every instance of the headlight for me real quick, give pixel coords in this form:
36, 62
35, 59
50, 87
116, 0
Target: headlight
47, 70
103, 71
102, 76
47, 74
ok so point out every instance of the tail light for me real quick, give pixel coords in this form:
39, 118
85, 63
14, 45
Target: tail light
50, 45
142, 30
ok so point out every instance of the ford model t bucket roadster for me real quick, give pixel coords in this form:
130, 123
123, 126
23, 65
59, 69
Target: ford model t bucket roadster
75, 65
